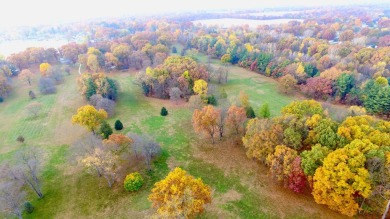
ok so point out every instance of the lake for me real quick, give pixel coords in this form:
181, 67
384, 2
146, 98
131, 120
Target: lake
228, 22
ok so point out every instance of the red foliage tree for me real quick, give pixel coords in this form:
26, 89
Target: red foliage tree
317, 87
297, 180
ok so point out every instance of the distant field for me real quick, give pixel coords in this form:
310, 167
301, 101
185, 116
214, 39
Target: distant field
228, 22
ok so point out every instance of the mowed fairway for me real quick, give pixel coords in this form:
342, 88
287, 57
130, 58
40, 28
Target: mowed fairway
241, 188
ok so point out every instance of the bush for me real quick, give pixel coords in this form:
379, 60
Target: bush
133, 182
20, 139
28, 207
164, 111
47, 85
174, 50
118, 125
31, 94
105, 130
250, 113
212, 100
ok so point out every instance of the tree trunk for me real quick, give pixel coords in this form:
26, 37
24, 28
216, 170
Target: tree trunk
387, 210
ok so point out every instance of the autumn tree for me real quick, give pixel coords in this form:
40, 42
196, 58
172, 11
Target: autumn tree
287, 84
205, 120
174, 94
96, 158
236, 117
313, 158
280, 162
195, 102
200, 87
261, 138
5, 87
243, 99
339, 191
297, 179
180, 195
12, 197
318, 88
89, 117
44, 69
26, 75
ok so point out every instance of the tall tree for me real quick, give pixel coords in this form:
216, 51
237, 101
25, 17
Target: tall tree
236, 117
205, 120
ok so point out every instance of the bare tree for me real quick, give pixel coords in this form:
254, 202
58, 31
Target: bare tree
174, 94
106, 104
11, 198
91, 153
147, 146
221, 121
28, 169
195, 102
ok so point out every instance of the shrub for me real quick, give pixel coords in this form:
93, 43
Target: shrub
118, 125
1, 99
212, 100
250, 113
105, 130
28, 207
133, 182
164, 111
20, 139
47, 85
174, 49
31, 94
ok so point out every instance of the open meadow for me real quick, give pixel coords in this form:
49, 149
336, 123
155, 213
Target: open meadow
241, 188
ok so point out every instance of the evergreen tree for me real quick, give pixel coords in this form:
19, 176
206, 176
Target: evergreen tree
91, 88
118, 125
174, 50
250, 113
164, 111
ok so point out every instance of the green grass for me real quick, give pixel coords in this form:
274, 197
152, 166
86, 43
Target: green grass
70, 192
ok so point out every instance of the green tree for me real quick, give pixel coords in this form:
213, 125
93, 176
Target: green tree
91, 88
164, 111
344, 84
133, 182
118, 125
313, 159
250, 113
264, 111
105, 129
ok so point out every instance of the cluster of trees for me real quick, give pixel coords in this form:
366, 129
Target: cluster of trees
176, 76
97, 83
344, 165
325, 59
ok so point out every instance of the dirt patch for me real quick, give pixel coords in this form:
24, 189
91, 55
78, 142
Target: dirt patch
229, 155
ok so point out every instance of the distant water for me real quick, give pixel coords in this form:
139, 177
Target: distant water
227, 22
15, 46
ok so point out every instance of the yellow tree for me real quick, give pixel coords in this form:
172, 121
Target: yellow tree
244, 99
44, 69
261, 138
89, 117
26, 75
180, 195
205, 120
200, 87
280, 162
343, 177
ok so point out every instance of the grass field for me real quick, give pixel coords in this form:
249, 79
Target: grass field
241, 188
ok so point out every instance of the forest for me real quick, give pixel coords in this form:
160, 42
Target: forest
168, 118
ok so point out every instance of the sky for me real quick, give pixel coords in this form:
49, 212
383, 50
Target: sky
33, 12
